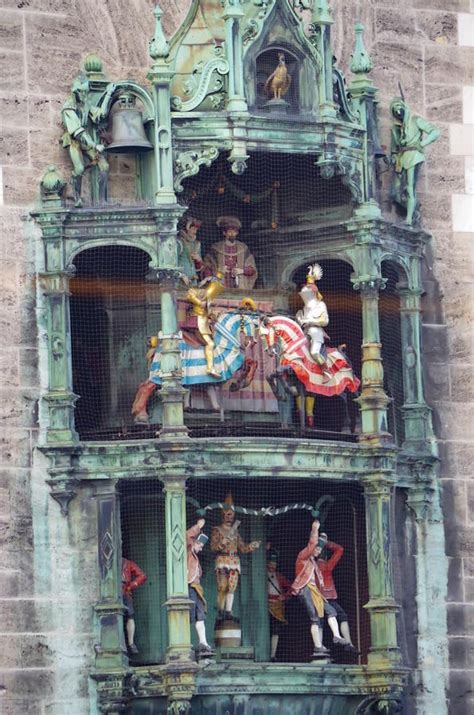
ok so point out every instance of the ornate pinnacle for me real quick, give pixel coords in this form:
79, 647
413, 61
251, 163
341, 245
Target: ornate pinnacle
158, 46
321, 12
361, 62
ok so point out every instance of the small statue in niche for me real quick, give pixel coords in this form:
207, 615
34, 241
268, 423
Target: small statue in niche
308, 586
410, 135
314, 317
279, 591
79, 114
195, 542
132, 578
278, 83
189, 248
227, 543
231, 257
201, 299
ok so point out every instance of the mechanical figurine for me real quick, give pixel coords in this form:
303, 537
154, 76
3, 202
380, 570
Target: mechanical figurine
195, 542
227, 543
201, 299
231, 257
132, 578
308, 586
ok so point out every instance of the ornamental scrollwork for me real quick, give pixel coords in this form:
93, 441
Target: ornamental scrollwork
188, 163
207, 84
352, 178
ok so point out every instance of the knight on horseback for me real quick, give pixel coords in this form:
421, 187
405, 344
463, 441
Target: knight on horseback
314, 317
201, 299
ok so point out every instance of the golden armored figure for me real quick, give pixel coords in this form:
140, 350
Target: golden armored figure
227, 543
201, 299
279, 81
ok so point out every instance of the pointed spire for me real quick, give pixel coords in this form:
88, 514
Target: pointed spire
158, 46
361, 62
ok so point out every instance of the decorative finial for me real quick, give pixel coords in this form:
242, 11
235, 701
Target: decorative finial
321, 12
52, 186
361, 62
158, 46
93, 63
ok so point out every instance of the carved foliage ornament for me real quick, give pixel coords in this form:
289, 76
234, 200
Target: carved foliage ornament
203, 82
187, 163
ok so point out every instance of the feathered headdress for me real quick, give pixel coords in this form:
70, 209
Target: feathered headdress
315, 273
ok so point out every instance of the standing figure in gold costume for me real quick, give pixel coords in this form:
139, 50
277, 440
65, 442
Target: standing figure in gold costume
226, 543
201, 299
279, 81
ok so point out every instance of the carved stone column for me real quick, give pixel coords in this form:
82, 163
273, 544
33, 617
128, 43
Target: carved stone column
320, 30
160, 76
381, 606
363, 94
180, 669
419, 435
172, 391
431, 565
373, 400
59, 399
232, 15
59, 439
109, 608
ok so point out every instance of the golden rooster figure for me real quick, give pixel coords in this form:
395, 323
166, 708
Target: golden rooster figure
279, 81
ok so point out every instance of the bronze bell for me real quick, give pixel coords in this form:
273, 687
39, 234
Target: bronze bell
128, 132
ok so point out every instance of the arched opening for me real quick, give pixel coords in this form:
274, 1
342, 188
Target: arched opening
113, 309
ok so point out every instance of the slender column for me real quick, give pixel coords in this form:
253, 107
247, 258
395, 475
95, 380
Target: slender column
431, 591
161, 75
373, 401
109, 608
320, 30
381, 606
416, 413
232, 15
180, 669
172, 391
59, 399
59, 440
363, 93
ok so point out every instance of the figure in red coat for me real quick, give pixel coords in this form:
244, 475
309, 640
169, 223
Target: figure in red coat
279, 591
132, 578
195, 542
308, 586
328, 590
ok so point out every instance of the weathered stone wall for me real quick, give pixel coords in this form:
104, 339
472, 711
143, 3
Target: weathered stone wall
48, 563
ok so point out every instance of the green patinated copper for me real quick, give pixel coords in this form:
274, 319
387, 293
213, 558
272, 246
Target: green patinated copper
201, 102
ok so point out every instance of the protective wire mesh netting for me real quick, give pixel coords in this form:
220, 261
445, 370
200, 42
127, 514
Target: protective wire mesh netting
276, 518
268, 369
268, 350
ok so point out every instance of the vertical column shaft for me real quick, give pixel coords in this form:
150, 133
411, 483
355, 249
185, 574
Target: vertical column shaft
172, 391
176, 569
373, 401
59, 398
381, 606
416, 413
162, 139
109, 609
